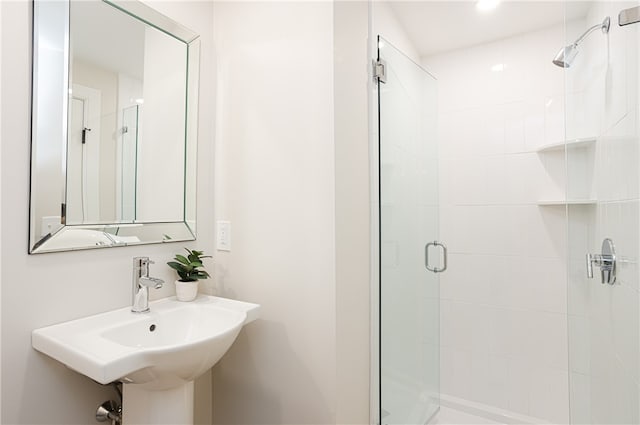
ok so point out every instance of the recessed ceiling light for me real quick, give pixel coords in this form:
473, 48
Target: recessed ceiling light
485, 5
499, 67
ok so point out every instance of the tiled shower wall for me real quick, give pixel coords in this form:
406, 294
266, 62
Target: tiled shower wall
504, 298
604, 331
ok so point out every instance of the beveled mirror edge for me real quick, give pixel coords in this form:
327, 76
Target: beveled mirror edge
191, 136
36, 85
192, 40
154, 18
96, 237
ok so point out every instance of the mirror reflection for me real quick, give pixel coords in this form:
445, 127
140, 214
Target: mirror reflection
127, 154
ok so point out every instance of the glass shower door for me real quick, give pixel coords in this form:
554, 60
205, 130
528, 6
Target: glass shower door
129, 163
409, 293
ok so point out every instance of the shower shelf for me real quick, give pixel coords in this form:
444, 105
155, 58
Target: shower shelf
571, 144
549, 202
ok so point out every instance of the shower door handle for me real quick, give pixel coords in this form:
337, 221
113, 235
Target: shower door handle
444, 257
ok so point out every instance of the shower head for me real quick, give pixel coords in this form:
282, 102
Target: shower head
567, 54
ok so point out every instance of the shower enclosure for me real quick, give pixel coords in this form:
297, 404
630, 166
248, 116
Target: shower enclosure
527, 164
128, 166
409, 291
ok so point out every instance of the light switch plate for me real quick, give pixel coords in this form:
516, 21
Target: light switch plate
50, 224
224, 236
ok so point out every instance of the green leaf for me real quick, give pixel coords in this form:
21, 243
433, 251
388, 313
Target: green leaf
175, 266
182, 259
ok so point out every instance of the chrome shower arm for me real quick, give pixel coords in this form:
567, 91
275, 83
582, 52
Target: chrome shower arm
604, 26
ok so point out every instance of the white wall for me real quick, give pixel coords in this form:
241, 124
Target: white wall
292, 177
44, 289
275, 183
503, 299
385, 24
161, 160
352, 197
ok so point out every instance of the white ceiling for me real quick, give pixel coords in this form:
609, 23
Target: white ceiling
438, 26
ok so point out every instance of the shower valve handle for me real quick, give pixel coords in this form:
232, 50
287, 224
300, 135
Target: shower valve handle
590, 261
606, 261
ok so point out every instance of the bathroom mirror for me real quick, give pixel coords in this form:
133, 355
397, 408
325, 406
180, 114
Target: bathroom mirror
114, 126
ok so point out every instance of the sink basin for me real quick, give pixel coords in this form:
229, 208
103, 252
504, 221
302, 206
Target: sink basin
171, 345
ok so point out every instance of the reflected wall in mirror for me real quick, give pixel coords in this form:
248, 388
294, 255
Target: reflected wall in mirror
114, 126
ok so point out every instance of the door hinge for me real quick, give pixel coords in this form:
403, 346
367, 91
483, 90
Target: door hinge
380, 70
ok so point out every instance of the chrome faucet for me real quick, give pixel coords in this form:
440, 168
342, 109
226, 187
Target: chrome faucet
141, 284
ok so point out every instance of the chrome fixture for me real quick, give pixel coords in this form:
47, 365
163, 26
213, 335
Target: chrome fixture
629, 16
109, 411
444, 257
141, 284
567, 54
606, 261
380, 71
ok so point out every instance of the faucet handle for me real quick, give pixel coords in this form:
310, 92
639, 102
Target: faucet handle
141, 262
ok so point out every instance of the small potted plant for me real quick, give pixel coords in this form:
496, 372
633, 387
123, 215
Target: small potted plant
190, 270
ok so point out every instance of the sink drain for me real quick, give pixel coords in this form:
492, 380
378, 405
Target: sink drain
152, 328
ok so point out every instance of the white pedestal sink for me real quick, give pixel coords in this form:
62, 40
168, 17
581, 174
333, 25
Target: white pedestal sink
156, 355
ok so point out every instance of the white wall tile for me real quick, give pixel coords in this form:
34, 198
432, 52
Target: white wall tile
533, 283
580, 398
504, 296
455, 372
514, 137
518, 385
534, 111
549, 396
579, 344
554, 119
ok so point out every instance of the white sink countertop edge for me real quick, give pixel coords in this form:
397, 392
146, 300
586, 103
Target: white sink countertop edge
78, 342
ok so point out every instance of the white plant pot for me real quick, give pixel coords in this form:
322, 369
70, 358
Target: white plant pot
186, 291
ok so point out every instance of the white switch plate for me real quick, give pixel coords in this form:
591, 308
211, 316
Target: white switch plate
50, 224
224, 236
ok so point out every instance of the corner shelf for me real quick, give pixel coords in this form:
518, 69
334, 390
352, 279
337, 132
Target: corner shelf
570, 144
561, 202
